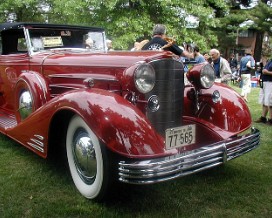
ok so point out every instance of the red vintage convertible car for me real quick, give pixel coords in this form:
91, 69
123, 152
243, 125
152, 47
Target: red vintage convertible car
120, 116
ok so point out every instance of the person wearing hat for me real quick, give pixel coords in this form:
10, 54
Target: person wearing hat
247, 63
158, 42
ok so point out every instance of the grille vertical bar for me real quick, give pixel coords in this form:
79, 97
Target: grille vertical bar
169, 88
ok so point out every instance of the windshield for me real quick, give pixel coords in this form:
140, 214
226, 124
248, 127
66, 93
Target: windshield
50, 39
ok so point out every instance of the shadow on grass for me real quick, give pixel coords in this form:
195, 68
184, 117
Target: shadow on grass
229, 180
222, 187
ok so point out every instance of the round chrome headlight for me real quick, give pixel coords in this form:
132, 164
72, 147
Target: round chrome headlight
144, 78
207, 76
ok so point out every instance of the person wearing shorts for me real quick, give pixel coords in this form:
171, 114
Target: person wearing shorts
265, 97
247, 63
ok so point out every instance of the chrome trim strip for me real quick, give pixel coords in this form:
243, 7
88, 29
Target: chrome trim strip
28, 42
72, 76
37, 142
36, 147
39, 137
171, 167
65, 87
41, 85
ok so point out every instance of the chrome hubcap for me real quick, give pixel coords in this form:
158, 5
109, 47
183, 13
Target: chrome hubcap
25, 104
84, 156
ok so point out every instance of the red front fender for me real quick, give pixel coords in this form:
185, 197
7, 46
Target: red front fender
115, 121
230, 113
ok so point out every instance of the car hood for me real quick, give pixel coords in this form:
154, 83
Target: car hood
116, 59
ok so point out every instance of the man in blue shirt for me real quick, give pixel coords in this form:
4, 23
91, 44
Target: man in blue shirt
199, 58
244, 63
265, 97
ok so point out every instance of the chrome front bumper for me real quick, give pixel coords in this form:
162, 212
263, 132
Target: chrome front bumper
171, 167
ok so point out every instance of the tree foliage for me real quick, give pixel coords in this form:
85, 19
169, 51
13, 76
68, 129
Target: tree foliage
127, 21
262, 17
27, 10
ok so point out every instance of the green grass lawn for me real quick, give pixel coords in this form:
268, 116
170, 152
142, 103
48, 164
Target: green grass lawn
33, 187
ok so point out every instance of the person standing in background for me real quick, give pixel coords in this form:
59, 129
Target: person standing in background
221, 67
247, 63
259, 69
139, 45
234, 68
233, 62
109, 45
265, 97
199, 58
158, 42
207, 57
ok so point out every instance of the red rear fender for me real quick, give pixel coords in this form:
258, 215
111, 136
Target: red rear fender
36, 85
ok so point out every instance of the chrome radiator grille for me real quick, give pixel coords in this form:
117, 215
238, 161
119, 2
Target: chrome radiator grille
169, 88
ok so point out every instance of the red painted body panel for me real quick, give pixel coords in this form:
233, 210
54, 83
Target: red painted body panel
231, 113
118, 115
118, 123
59, 81
11, 67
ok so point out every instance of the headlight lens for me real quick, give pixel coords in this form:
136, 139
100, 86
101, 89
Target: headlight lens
207, 76
144, 78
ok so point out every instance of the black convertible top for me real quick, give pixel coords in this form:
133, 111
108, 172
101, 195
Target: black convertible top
18, 25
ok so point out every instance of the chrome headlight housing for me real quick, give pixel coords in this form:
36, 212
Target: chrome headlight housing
207, 76
144, 78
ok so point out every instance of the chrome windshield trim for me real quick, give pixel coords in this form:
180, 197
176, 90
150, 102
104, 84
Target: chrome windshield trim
171, 167
28, 42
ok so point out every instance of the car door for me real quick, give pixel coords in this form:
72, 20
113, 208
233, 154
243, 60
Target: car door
14, 60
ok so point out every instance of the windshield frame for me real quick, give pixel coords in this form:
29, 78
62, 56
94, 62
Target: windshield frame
32, 50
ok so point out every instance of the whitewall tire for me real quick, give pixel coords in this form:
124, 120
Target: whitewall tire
87, 160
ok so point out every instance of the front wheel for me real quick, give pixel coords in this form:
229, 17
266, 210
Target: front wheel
87, 159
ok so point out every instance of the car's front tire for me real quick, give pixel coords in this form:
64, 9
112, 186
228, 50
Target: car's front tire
87, 159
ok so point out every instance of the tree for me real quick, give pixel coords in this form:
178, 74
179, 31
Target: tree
27, 10
262, 17
227, 31
126, 21
240, 12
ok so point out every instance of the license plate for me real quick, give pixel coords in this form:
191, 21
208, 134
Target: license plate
180, 136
